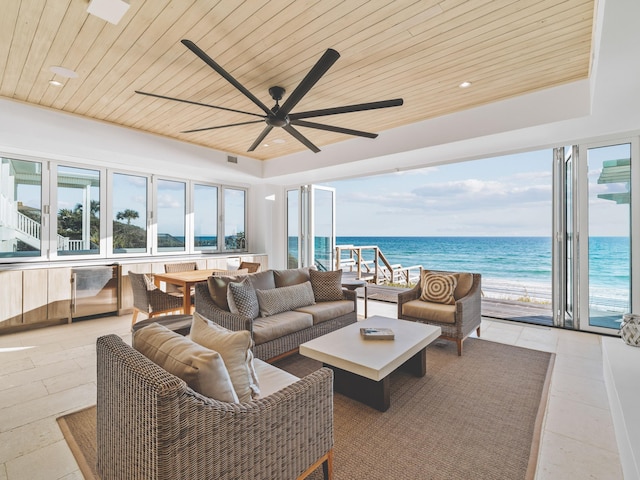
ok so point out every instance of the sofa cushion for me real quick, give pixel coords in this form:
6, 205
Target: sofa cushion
278, 300
323, 311
436, 312
291, 276
327, 286
202, 369
262, 280
218, 286
279, 325
235, 349
272, 378
438, 288
242, 299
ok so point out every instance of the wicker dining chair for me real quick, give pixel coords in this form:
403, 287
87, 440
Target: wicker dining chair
178, 267
149, 299
252, 267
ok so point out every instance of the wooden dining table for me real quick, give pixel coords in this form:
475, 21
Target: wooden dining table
186, 280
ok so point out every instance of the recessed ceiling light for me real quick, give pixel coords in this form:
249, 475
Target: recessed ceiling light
55, 83
63, 72
279, 141
465, 85
265, 144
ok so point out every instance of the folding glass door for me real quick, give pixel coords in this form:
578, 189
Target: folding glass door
593, 235
311, 227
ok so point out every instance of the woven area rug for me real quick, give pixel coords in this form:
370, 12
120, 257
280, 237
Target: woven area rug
477, 416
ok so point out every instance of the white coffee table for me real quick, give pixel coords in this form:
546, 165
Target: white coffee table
362, 367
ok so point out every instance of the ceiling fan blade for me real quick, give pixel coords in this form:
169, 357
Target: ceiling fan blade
260, 138
331, 128
301, 138
319, 69
209, 61
347, 109
221, 126
196, 103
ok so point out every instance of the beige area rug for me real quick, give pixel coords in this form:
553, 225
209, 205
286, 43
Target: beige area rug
478, 416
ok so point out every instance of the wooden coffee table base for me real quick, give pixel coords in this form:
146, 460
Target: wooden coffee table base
376, 394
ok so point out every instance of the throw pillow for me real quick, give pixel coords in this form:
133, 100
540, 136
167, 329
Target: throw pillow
327, 286
438, 288
283, 299
202, 369
218, 287
243, 299
235, 349
291, 276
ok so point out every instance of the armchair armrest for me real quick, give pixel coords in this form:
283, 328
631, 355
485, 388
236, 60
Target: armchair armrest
206, 307
468, 308
407, 296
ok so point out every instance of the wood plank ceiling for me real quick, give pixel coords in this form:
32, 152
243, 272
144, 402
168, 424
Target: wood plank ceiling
420, 50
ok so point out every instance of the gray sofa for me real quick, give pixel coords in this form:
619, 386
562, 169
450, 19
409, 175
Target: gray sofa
151, 425
279, 334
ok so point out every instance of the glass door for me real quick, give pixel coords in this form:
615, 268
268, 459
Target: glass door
311, 227
565, 245
607, 254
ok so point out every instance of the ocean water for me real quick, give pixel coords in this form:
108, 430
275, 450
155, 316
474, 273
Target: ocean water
511, 267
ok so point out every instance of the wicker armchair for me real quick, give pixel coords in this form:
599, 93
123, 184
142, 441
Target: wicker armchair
252, 267
149, 299
456, 321
151, 425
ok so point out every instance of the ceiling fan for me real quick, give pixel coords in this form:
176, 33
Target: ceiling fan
280, 115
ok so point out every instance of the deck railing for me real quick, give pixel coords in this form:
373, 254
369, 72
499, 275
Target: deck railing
376, 269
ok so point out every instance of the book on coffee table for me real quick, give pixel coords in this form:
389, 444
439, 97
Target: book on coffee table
377, 333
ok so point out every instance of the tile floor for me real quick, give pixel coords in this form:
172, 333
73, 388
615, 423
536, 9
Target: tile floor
48, 372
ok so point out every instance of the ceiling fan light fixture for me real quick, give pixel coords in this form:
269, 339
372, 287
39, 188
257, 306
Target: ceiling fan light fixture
55, 83
111, 11
63, 71
279, 141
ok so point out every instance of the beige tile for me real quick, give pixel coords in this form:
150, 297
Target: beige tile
20, 393
28, 438
579, 348
563, 458
51, 462
585, 367
581, 422
54, 404
80, 376
580, 389
77, 475
8, 366
3, 472
40, 359
37, 373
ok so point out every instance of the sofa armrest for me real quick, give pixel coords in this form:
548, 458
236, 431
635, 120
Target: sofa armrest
206, 307
351, 295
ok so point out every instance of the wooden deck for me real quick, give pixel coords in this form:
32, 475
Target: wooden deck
535, 313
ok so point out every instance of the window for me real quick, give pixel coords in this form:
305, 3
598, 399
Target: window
170, 205
129, 210
20, 208
234, 219
205, 217
78, 211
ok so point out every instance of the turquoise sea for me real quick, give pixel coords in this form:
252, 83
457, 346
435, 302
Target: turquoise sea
511, 266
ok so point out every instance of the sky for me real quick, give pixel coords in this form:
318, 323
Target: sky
505, 196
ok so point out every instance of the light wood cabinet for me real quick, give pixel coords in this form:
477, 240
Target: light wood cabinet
10, 299
34, 296
59, 293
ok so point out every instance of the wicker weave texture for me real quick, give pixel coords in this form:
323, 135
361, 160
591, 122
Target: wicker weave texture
150, 425
468, 310
154, 300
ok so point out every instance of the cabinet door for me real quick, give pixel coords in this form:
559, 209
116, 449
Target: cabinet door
59, 298
34, 296
10, 299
